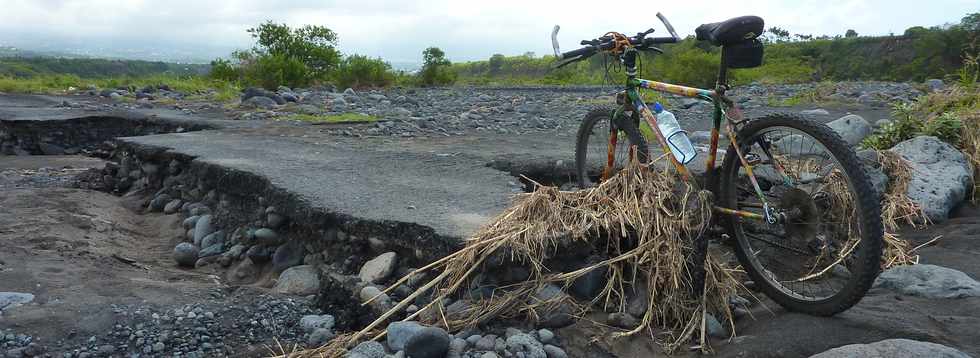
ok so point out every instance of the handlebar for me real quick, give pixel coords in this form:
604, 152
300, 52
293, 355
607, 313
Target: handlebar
605, 43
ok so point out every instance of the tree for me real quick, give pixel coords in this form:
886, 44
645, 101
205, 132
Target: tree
778, 34
495, 63
435, 67
850, 33
312, 45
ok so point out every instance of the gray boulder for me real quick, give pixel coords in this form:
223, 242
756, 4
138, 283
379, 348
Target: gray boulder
185, 254
173, 206
312, 322
287, 255
553, 316
253, 92
319, 337
935, 84
379, 268
300, 280
815, 112
928, 281
852, 128
890, 348
554, 352
526, 344
203, 228
368, 349
879, 180
266, 236
214, 238
429, 342
400, 332
259, 102
941, 175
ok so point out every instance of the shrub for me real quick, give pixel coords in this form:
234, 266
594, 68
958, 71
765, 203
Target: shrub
436, 69
362, 71
222, 69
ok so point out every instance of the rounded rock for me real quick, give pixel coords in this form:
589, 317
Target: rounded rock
185, 254
430, 342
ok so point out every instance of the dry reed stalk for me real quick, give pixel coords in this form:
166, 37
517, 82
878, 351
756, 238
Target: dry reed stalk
656, 211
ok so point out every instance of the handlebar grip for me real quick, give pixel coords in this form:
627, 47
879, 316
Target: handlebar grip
584, 52
660, 40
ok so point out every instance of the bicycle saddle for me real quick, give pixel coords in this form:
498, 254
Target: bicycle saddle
731, 31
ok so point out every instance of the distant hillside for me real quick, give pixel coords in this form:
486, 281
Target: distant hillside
920, 53
26, 67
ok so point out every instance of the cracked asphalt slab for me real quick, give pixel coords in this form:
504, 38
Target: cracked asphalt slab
451, 184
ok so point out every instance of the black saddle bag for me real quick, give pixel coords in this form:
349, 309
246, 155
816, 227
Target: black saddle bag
744, 54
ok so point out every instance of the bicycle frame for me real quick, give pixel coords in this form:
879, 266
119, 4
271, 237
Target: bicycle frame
721, 103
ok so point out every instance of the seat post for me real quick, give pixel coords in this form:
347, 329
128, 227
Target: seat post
722, 83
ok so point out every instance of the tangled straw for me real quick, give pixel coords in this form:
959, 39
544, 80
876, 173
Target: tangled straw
643, 220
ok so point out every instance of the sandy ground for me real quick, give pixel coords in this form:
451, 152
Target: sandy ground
72, 249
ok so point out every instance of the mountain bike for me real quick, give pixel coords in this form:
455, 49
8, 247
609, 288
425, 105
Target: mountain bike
790, 195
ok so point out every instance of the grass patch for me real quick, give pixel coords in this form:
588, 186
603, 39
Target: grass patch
333, 118
195, 87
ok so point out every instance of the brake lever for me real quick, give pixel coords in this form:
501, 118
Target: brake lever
565, 62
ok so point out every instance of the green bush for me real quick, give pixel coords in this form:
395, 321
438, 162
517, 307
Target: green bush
946, 126
361, 71
222, 69
436, 69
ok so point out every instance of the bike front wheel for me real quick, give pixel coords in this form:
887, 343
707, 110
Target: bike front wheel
823, 252
594, 159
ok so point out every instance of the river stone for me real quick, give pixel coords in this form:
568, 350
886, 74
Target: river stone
935, 84
319, 337
852, 128
287, 255
815, 112
312, 322
159, 203
368, 349
400, 332
941, 178
890, 348
266, 236
275, 220
928, 281
429, 342
214, 238
379, 268
172, 207
714, 327
185, 254
526, 344
553, 316
259, 254
259, 103
879, 180
203, 228
190, 223
554, 352
299, 280
14, 299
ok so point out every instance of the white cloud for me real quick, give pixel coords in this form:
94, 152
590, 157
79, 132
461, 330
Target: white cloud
399, 30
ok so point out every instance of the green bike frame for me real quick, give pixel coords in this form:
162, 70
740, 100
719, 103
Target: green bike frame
723, 108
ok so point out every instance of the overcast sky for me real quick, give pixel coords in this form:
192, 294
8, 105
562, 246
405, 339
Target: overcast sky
399, 30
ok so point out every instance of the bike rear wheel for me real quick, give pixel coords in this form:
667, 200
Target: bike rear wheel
824, 253
592, 145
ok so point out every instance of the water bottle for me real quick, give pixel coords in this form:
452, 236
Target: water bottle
676, 137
